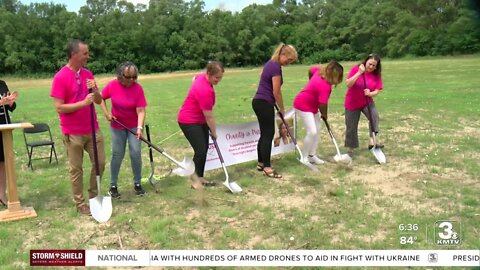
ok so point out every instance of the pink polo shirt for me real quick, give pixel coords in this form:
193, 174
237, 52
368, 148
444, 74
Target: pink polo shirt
201, 97
125, 101
71, 87
316, 92
355, 97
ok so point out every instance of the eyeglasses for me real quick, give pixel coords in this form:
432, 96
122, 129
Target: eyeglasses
134, 77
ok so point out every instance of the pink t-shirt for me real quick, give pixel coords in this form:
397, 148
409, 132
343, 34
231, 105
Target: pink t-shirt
125, 101
316, 92
71, 87
355, 97
201, 97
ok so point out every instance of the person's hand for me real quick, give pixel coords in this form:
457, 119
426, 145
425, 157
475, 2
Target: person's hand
213, 134
91, 84
361, 68
88, 99
139, 132
324, 117
366, 92
109, 117
10, 98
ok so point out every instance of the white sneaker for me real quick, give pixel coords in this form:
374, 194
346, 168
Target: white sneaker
315, 160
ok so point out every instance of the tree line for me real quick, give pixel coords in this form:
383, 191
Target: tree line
170, 35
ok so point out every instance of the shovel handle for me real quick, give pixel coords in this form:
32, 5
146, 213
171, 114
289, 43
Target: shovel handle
141, 137
286, 125
217, 148
94, 136
330, 132
151, 144
370, 119
150, 152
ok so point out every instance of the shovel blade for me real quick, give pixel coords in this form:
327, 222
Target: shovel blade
187, 167
379, 155
309, 165
343, 158
232, 186
101, 208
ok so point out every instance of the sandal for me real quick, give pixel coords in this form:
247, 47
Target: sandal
196, 182
259, 167
272, 174
207, 183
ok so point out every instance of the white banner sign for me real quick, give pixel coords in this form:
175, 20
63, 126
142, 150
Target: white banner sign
238, 142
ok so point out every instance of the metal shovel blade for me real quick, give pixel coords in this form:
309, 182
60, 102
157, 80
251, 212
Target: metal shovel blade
232, 186
309, 165
187, 167
343, 158
101, 207
379, 155
302, 160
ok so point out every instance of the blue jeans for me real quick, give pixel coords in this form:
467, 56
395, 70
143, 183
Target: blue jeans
119, 140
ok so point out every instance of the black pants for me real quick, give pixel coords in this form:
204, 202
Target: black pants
266, 120
197, 136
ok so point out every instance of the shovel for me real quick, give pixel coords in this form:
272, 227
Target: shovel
345, 158
152, 179
377, 152
100, 207
186, 167
301, 159
232, 186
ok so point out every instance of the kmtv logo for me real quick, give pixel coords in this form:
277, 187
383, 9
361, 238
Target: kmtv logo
448, 233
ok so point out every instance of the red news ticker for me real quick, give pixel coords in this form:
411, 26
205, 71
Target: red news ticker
57, 257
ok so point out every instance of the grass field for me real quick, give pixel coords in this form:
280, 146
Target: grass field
430, 124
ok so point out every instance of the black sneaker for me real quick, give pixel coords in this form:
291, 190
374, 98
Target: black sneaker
114, 192
139, 190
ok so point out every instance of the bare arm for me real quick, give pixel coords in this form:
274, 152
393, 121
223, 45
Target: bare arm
374, 93
141, 118
211, 122
323, 110
277, 93
108, 115
351, 81
61, 107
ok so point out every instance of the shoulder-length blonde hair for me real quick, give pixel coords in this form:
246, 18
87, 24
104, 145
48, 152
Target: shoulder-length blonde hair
332, 73
285, 49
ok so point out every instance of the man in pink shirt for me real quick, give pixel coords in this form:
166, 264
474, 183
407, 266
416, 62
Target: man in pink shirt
312, 99
72, 99
195, 118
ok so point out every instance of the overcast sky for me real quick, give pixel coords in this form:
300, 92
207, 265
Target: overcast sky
232, 5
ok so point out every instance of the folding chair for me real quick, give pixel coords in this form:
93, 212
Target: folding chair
37, 136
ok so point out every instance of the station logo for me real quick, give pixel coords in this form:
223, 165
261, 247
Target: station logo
447, 233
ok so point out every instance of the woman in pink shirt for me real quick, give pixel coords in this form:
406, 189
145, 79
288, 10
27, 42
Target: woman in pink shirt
312, 99
364, 82
128, 107
195, 118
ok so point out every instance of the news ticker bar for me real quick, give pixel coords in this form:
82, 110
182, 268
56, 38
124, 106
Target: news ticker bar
255, 258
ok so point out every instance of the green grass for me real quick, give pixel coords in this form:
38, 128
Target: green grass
430, 123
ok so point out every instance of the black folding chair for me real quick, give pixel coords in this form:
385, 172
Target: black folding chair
37, 136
